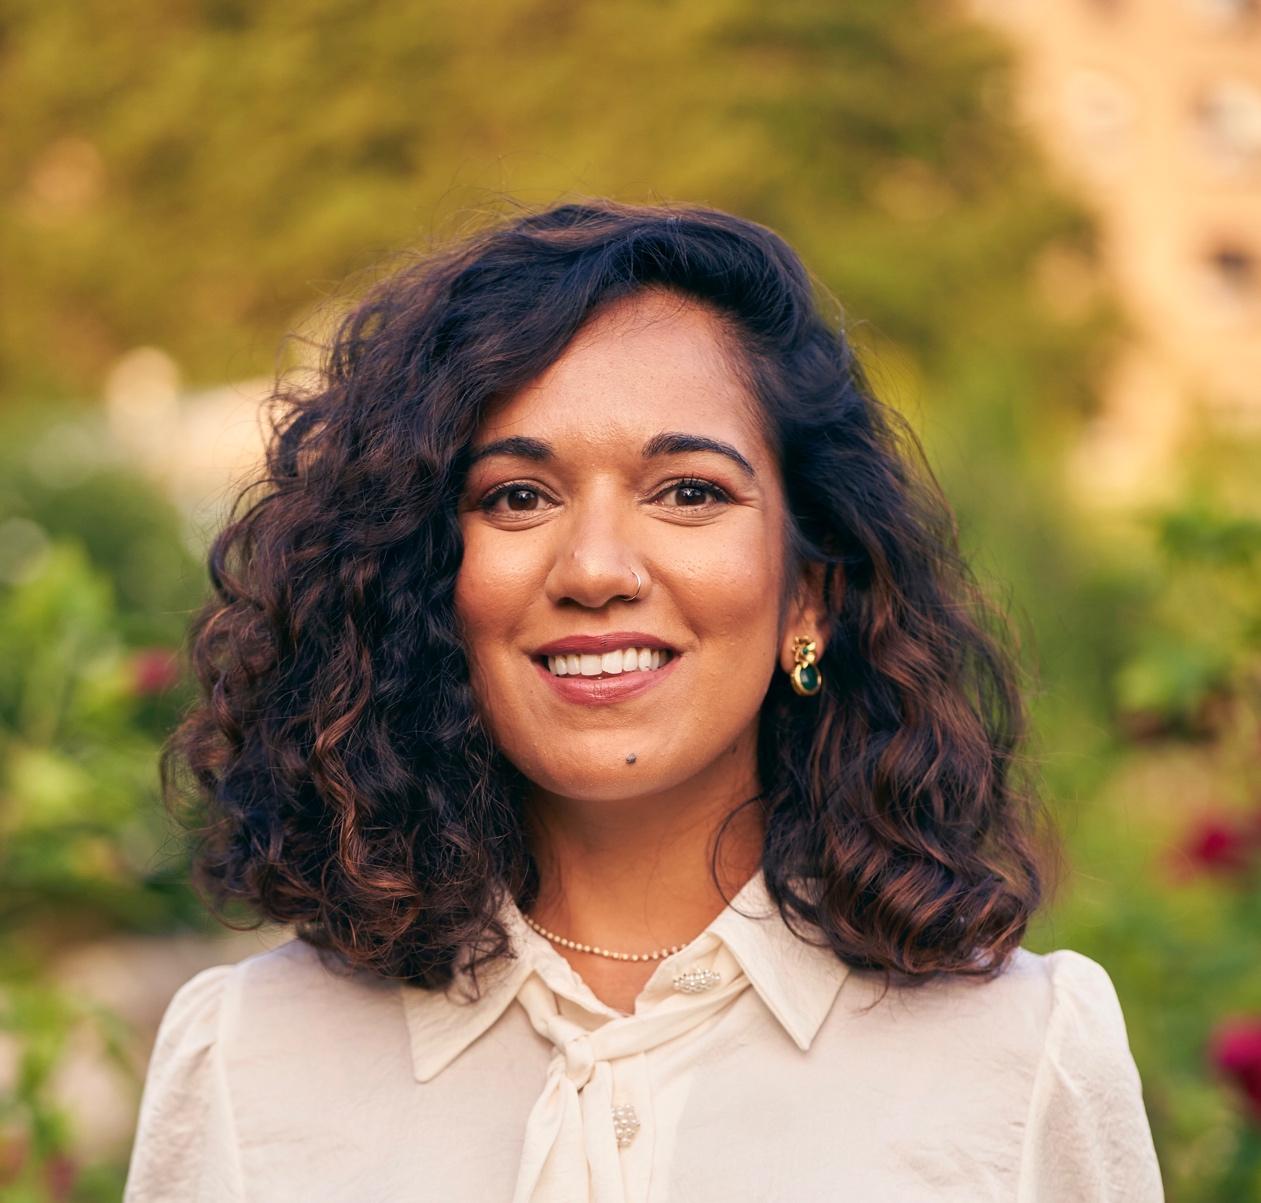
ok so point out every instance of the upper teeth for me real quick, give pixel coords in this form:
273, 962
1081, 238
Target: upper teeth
624, 660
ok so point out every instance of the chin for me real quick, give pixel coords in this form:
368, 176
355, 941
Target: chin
606, 777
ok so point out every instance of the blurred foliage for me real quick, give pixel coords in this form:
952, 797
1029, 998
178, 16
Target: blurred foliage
88, 686
195, 175
1167, 891
61, 478
37, 1160
80, 714
205, 175
1201, 654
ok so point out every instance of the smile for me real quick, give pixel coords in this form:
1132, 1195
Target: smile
610, 664
600, 679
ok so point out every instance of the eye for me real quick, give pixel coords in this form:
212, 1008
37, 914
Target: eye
523, 498
516, 491
693, 486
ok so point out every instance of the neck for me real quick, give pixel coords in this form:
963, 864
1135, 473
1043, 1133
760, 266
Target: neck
635, 875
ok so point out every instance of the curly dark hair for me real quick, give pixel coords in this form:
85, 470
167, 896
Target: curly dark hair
336, 773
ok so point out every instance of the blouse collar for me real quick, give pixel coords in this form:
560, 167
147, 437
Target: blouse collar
798, 982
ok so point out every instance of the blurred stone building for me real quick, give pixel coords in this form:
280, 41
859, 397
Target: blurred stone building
1153, 110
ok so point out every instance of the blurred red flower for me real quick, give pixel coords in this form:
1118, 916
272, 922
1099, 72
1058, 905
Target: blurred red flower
1235, 1050
60, 1174
1219, 844
154, 670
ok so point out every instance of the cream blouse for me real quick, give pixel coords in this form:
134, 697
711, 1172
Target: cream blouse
748, 1071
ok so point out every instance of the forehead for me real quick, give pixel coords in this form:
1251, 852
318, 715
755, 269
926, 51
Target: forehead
652, 361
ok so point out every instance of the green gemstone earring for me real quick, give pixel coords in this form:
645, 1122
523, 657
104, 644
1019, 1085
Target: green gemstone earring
806, 678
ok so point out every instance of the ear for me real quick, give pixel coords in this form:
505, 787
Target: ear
807, 614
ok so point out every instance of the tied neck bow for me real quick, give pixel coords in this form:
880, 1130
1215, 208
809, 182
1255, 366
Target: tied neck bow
570, 1150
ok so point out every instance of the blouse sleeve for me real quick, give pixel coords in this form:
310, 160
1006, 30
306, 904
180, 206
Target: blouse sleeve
185, 1148
1087, 1137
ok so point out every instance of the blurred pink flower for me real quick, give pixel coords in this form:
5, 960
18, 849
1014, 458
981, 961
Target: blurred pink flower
154, 670
1235, 1050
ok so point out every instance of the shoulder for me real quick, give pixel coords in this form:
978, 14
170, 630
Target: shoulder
1034, 1058
1061, 1004
1068, 974
185, 1142
1086, 1038
281, 992
1061, 979
252, 1047
189, 1029
1067, 1003
1050, 989
1044, 1018
198, 1004
293, 984
1083, 1020
1087, 1133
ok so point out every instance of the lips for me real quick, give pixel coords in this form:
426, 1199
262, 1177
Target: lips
599, 644
600, 691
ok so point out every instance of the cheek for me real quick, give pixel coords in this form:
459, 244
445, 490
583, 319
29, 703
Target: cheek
729, 603
491, 588
730, 592
486, 607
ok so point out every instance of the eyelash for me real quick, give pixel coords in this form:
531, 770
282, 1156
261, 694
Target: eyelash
687, 482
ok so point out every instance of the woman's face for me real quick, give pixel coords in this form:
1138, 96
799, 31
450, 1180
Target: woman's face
550, 558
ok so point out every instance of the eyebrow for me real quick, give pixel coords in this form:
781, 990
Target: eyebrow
668, 442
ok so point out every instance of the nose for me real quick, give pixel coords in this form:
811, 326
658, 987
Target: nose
593, 558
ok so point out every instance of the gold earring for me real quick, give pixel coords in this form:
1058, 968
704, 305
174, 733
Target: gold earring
806, 678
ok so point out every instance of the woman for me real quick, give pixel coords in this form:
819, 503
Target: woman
599, 692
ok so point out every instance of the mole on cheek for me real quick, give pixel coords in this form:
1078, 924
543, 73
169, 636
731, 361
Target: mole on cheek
630, 759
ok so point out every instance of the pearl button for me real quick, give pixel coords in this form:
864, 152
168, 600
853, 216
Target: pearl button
625, 1124
696, 981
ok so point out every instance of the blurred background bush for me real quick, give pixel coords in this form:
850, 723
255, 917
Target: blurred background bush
1046, 250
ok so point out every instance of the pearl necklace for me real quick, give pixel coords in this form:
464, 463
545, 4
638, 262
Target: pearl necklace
603, 952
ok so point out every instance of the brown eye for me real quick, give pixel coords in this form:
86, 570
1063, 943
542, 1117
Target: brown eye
516, 496
519, 497
696, 492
